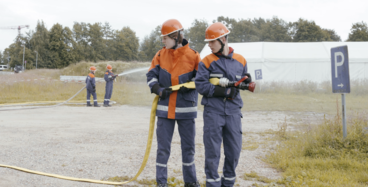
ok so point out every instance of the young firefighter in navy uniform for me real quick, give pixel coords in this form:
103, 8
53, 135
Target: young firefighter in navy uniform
222, 105
109, 78
91, 87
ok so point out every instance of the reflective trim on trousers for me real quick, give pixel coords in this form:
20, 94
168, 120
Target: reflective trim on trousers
229, 179
177, 109
213, 180
151, 81
88, 100
161, 165
95, 100
216, 75
188, 164
107, 99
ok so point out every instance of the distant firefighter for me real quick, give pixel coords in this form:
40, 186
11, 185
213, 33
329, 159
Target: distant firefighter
109, 78
91, 87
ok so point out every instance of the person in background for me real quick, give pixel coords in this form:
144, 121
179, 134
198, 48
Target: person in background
91, 87
109, 78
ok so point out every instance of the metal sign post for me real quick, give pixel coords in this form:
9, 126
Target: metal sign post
340, 77
258, 73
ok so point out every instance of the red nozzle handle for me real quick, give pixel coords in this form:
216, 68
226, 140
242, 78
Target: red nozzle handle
241, 80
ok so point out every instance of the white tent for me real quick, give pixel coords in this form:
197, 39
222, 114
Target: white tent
294, 62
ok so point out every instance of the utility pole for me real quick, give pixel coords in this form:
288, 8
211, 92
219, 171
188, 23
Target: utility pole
24, 48
36, 58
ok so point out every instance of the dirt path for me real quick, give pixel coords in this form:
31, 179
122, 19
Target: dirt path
98, 143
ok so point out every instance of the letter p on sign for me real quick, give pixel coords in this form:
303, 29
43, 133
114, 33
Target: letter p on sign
337, 63
340, 70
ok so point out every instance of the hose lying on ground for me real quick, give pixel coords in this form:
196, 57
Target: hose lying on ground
143, 165
190, 85
36, 107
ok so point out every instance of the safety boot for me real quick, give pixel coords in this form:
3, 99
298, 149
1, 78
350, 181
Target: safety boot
162, 185
96, 105
89, 104
192, 184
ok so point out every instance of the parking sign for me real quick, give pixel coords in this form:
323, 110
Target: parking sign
340, 70
258, 73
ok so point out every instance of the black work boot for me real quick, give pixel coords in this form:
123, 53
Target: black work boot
192, 184
89, 104
162, 185
108, 103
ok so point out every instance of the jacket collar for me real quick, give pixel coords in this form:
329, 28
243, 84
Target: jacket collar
180, 50
231, 52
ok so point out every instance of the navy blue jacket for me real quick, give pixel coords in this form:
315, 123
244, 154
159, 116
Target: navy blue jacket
91, 82
233, 67
106, 77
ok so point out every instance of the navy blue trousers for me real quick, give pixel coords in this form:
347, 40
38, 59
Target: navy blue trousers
108, 92
164, 131
219, 129
89, 96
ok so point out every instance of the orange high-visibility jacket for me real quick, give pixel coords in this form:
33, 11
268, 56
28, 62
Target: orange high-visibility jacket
171, 67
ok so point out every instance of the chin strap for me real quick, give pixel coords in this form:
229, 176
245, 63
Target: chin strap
176, 41
222, 46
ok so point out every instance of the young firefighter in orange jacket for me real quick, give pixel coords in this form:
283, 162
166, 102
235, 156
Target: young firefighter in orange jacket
174, 64
222, 105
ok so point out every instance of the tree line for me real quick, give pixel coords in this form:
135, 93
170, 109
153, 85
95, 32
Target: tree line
61, 46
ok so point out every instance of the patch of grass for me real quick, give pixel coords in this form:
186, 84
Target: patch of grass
254, 176
250, 145
320, 156
308, 102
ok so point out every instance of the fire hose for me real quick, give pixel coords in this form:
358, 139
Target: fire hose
190, 85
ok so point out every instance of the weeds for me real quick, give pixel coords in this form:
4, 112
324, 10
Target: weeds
319, 156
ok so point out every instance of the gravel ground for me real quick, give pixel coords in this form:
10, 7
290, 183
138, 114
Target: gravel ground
98, 143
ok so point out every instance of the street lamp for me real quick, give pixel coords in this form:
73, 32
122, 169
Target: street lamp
36, 58
24, 48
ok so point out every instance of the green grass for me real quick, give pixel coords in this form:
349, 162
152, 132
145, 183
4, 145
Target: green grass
319, 156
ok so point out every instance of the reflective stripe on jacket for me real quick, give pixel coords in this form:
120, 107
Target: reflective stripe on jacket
233, 67
171, 67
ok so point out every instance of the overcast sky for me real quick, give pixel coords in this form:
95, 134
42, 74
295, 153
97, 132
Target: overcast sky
143, 16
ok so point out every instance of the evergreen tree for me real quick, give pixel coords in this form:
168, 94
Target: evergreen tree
40, 43
80, 36
196, 34
150, 45
60, 47
96, 42
126, 45
108, 38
